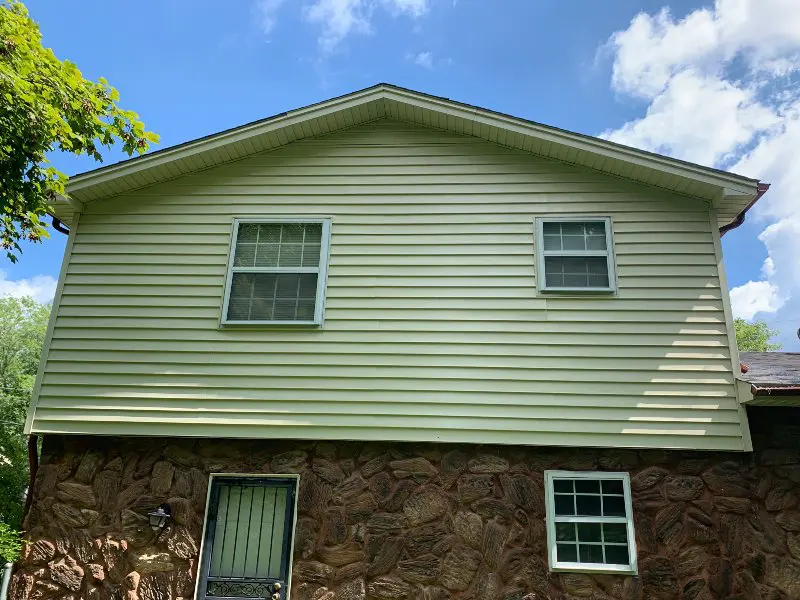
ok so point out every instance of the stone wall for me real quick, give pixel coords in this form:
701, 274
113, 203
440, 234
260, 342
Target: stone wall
417, 521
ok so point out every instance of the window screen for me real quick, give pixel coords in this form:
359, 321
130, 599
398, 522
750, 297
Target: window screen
575, 255
589, 521
277, 270
248, 537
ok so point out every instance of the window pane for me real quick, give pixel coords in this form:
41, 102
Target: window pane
567, 552
564, 505
554, 279
589, 532
563, 486
245, 255
573, 229
613, 506
574, 242
290, 255
574, 271
598, 280
615, 533
587, 486
613, 486
589, 506
595, 229
591, 554
269, 233
267, 255
278, 244
551, 228
292, 233
248, 233
596, 242
565, 532
311, 255
552, 242
272, 297
581, 280
617, 555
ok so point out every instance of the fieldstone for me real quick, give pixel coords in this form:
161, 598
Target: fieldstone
789, 520
68, 516
454, 461
381, 485
374, 466
96, 571
793, 541
133, 492
351, 571
521, 491
684, 488
492, 508
161, 480
781, 497
469, 527
740, 506
578, 584
339, 556
155, 586
725, 479
305, 538
791, 472
348, 490
136, 529
669, 524
351, 590
658, 578
417, 468
459, 567
488, 585
700, 527
327, 471
43, 590
399, 495
131, 581
488, 463
89, 466
40, 551
181, 543
381, 522
181, 484
76, 493
432, 593
115, 465
422, 539
720, 576
181, 456
67, 573
114, 559
150, 560
312, 571
21, 586
388, 588
106, 488
423, 569
648, 478
472, 487
289, 462
313, 495
784, 573
426, 505
494, 540
383, 551
199, 483
695, 589
359, 509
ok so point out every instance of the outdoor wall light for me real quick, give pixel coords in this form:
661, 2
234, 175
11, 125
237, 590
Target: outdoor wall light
159, 517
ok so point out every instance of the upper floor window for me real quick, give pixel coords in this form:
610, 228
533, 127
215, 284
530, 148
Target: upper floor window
276, 272
575, 254
590, 522
248, 537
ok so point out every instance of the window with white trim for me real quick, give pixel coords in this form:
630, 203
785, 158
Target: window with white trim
590, 522
276, 272
575, 254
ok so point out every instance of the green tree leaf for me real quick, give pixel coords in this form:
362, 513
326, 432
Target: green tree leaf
48, 105
755, 336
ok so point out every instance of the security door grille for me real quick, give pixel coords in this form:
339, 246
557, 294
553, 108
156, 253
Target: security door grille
248, 538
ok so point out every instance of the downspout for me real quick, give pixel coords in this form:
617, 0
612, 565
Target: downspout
760, 191
59, 226
33, 468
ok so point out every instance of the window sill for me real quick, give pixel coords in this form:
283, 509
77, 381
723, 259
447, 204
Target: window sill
578, 291
268, 324
590, 568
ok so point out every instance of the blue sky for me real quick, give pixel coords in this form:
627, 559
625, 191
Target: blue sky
694, 82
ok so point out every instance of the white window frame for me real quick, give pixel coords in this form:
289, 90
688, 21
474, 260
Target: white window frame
608, 253
321, 269
561, 566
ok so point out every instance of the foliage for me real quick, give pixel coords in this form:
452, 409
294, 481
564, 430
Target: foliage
10, 544
755, 336
46, 104
23, 323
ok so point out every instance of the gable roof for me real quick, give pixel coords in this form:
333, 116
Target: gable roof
729, 194
771, 373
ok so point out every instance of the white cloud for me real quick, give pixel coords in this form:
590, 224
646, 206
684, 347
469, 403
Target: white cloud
267, 11
755, 297
340, 18
41, 288
424, 59
748, 122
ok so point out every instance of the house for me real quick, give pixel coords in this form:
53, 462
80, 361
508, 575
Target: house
392, 346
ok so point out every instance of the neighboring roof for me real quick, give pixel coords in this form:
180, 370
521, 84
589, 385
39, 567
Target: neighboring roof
729, 194
771, 373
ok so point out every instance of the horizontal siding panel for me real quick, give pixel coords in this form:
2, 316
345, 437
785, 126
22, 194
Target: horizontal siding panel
434, 328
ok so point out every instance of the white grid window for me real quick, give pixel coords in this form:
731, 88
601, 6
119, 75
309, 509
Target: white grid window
575, 254
276, 272
590, 522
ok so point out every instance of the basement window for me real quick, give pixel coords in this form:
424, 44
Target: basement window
276, 272
575, 254
248, 537
590, 522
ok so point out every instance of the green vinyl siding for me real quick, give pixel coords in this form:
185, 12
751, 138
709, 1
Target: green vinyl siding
434, 329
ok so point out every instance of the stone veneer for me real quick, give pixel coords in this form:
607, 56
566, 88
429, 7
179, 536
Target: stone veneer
417, 521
